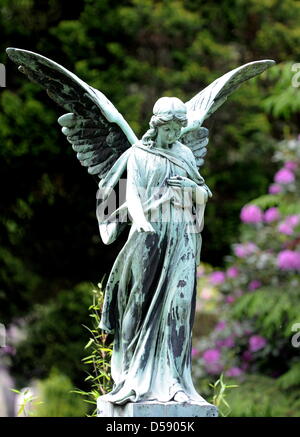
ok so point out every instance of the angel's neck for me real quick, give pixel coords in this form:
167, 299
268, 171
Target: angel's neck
162, 145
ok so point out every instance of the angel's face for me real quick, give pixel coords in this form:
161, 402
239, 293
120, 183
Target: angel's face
168, 133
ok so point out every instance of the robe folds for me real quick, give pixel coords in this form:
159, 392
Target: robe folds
150, 294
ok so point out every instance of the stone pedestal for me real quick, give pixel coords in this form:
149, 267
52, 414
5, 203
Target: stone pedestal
156, 409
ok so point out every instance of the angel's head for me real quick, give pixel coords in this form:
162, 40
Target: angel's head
169, 117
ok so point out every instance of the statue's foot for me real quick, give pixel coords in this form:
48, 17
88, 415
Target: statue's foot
180, 396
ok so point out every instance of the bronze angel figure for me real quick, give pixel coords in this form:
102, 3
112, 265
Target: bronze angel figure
150, 293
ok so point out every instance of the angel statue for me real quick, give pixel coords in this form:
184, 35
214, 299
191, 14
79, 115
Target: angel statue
150, 294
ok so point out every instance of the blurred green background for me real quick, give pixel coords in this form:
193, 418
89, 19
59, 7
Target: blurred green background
134, 52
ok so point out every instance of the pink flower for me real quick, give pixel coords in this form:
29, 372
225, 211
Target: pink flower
291, 165
243, 250
200, 271
229, 341
240, 251
254, 285
220, 326
275, 189
214, 368
284, 228
284, 176
9, 350
292, 220
211, 356
247, 356
271, 215
256, 343
229, 299
251, 214
288, 260
217, 277
195, 352
232, 272
234, 371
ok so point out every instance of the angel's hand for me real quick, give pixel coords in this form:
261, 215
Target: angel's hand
181, 182
208, 190
145, 227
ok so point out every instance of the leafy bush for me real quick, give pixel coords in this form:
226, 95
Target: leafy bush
57, 397
55, 337
100, 350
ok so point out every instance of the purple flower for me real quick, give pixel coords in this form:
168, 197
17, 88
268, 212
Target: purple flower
288, 260
229, 341
251, 214
292, 220
271, 215
240, 251
230, 299
217, 277
220, 326
284, 228
284, 176
243, 250
247, 356
232, 272
9, 350
291, 165
275, 189
254, 285
234, 371
214, 368
226, 342
195, 352
256, 343
211, 356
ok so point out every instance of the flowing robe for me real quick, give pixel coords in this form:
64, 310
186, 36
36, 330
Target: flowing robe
150, 294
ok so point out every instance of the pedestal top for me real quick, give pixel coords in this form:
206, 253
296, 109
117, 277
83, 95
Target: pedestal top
156, 409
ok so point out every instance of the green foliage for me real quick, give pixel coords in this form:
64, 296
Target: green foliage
29, 402
275, 310
57, 398
285, 98
98, 360
291, 378
259, 396
220, 392
55, 337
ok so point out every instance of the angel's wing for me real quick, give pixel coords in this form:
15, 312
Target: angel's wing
97, 131
210, 99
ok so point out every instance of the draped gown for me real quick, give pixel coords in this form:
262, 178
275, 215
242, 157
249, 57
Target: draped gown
150, 294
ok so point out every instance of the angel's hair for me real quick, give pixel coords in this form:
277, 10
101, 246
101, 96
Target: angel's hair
165, 110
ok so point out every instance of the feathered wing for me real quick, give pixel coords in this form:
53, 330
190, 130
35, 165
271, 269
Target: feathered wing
97, 131
207, 101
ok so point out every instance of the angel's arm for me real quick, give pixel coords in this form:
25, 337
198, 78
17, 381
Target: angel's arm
135, 191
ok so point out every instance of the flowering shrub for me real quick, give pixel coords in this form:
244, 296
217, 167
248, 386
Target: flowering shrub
260, 287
